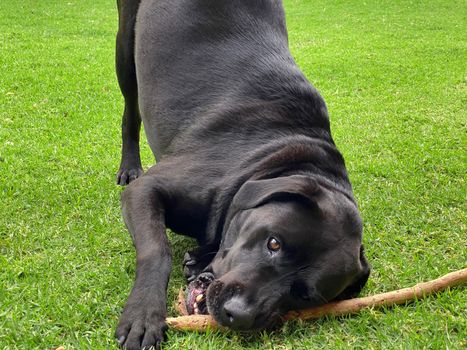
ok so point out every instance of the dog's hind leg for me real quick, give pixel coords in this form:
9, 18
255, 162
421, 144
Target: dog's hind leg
130, 165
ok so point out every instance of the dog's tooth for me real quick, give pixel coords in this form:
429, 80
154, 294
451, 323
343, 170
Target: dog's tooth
196, 311
195, 305
199, 298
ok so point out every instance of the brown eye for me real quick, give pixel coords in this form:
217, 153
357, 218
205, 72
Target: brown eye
274, 245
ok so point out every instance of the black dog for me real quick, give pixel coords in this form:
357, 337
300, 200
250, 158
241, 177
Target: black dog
246, 164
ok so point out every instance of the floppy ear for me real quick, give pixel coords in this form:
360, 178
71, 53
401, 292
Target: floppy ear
255, 193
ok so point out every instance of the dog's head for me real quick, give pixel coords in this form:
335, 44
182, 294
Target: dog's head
289, 243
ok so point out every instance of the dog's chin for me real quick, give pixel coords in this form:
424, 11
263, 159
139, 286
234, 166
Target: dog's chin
264, 321
216, 296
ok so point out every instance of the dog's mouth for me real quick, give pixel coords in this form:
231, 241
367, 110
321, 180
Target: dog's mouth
197, 294
196, 302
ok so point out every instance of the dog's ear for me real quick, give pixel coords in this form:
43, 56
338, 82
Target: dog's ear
296, 187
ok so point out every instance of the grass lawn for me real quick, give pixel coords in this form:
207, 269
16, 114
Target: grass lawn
394, 76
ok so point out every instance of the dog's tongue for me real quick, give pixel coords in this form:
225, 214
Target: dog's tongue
196, 294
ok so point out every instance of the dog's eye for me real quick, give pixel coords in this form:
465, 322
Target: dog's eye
274, 245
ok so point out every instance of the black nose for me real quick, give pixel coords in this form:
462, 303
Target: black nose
237, 315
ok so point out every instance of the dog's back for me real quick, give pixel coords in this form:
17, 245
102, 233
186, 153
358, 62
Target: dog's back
203, 62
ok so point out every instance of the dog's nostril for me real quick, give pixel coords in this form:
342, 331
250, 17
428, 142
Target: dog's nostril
237, 314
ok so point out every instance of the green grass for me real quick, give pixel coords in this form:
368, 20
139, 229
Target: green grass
394, 76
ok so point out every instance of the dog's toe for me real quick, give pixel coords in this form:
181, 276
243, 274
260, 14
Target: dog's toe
190, 268
126, 175
144, 333
189, 259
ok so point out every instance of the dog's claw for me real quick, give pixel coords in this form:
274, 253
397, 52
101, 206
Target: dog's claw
188, 259
140, 333
191, 278
127, 175
190, 263
121, 340
190, 270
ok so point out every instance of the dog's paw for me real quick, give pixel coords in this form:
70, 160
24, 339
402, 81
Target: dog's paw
139, 330
195, 261
191, 268
126, 175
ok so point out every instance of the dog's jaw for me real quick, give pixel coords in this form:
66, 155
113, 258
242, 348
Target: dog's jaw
196, 298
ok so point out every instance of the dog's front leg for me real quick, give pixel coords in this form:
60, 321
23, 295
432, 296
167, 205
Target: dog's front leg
142, 323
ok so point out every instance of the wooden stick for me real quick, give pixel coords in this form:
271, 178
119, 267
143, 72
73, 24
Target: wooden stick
201, 323
181, 304
401, 296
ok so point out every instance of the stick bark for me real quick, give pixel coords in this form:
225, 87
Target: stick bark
201, 323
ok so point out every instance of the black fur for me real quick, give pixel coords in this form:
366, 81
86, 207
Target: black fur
244, 153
